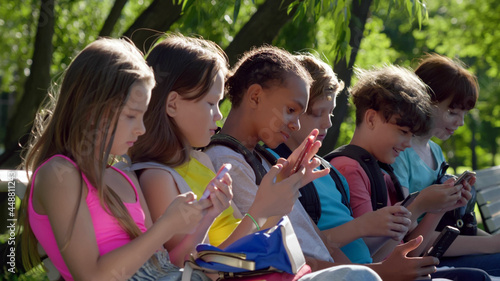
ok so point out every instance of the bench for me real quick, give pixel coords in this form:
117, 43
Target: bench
16, 180
488, 197
13, 180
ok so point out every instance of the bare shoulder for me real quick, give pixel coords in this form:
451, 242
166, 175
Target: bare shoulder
153, 178
56, 173
57, 180
159, 190
132, 175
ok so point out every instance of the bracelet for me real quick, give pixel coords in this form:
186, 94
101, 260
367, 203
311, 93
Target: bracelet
254, 221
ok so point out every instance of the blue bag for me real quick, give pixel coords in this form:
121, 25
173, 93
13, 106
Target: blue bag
274, 249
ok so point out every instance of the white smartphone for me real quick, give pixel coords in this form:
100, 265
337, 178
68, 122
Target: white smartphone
220, 174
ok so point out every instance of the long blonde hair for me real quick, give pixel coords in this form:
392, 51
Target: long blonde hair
188, 66
95, 87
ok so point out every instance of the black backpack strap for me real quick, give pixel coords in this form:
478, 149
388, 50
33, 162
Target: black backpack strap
397, 185
268, 156
371, 168
338, 183
309, 197
250, 157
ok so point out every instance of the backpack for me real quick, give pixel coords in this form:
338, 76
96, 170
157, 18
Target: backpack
252, 158
372, 168
309, 195
463, 218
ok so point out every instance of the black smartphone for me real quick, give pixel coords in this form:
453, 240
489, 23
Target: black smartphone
465, 176
409, 199
442, 242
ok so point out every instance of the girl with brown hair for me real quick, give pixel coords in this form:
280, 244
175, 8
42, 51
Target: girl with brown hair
90, 217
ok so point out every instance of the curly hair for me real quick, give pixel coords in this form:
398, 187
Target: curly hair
393, 91
267, 66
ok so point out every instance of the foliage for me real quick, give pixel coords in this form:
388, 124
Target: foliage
33, 275
17, 28
198, 19
457, 28
398, 31
454, 28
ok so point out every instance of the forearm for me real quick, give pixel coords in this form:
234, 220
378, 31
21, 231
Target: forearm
187, 245
379, 268
334, 250
126, 260
470, 245
344, 234
246, 226
425, 228
385, 250
317, 265
384, 272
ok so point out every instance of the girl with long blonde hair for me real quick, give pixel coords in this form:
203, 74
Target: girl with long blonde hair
91, 218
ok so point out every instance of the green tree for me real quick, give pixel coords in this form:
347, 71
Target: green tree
235, 25
468, 31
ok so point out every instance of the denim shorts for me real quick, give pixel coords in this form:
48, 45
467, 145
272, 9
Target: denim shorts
166, 271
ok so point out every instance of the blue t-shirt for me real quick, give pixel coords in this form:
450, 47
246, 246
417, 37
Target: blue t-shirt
413, 173
335, 213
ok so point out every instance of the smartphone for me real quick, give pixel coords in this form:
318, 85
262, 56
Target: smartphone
220, 174
442, 242
303, 153
409, 199
465, 176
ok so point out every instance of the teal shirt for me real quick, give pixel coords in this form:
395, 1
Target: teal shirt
413, 173
335, 213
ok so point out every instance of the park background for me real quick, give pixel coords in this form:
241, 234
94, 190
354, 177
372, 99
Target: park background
39, 38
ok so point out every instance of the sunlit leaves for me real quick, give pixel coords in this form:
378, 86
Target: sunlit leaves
17, 30
218, 21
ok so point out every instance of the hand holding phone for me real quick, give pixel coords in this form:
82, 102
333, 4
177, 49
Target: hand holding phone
220, 174
464, 177
407, 201
442, 242
303, 153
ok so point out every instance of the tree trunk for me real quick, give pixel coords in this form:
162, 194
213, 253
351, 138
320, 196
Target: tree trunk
359, 15
35, 87
112, 18
262, 28
154, 21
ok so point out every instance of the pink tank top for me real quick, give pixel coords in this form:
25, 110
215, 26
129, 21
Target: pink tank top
109, 234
